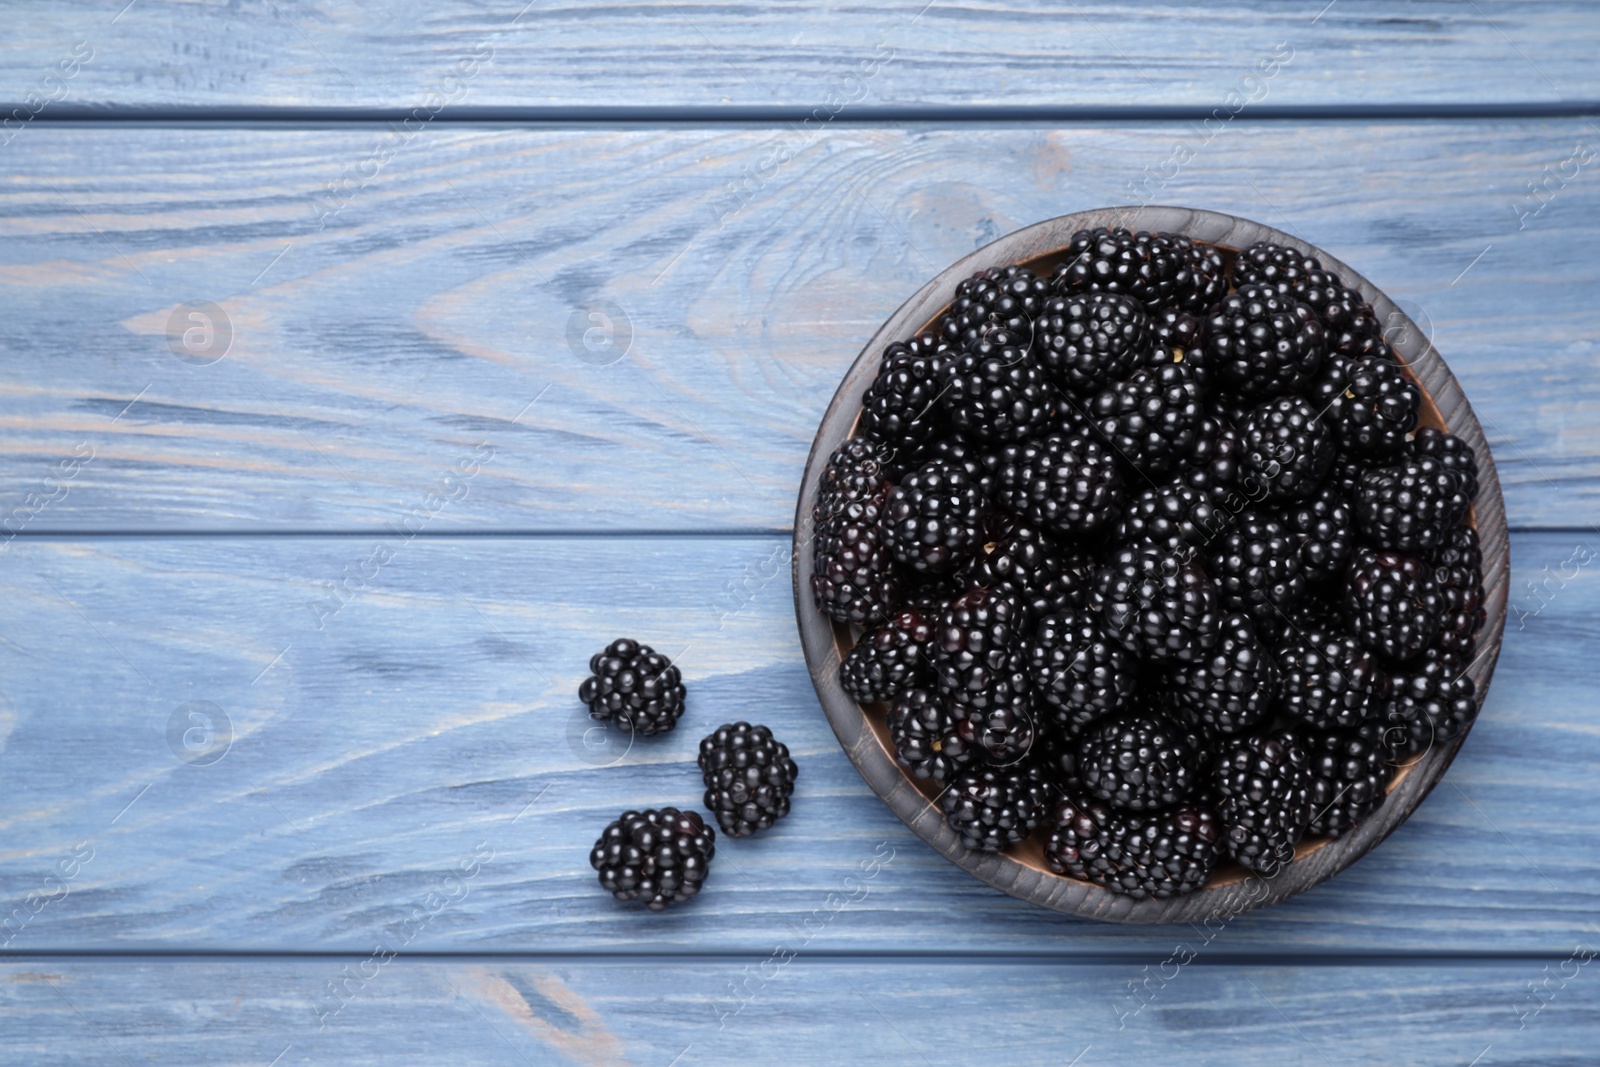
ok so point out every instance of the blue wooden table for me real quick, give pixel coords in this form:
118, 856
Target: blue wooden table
365, 369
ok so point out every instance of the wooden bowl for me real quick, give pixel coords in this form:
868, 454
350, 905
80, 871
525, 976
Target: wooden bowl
1021, 870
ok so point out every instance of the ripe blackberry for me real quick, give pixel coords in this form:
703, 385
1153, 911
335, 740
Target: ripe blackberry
1172, 516
1265, 788
1392, 603
1151, 419
1412, 506
1137, 761
1022, 560
1452, 453
1077, 672
1213, 467
856, 472
1159, 854
995, 391
1178, 338
887, 661
635, 687
1066, 484
995, 807
970, 455
1324, 527
923, 729
1458, 572
1230, 689
1283, 269
1329, 680
1345, 475
851, 577
1119, 261
660, 857
1350, 772
977, 657
1005, 298
1202, 278
1287, 445
1158, 604
1260, 343
1370, 405
1345, 315
1257, 568
933, 518
749, 777
1432, 701
1088, 340
901, 408
1002, 731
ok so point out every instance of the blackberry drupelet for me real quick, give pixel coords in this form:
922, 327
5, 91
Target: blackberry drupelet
1005, 298
1283, 269
1265, 787
1324, 527
1152, 419
1452, 453
1172, 516
1392, 603
977, 658
1458, 572
1350, 772
1138, 761
926, 742
933, 518
1412, 506
851, 577
1159, 604
660, 857
1077, 672
1085, 341
996, 807
1256, 566
994, 390
1370, 405
635, 687
1066, 484
749, 777
1023, 560
1230, 689
1432, 701
1287, 446
1158, 855
1119, 261
901, 408
1260, 343
1329, 680
889, 660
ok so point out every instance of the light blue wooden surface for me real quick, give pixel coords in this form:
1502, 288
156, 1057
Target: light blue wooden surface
407, 358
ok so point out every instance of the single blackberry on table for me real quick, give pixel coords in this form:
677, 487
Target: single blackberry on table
1159, 604
933, 518
901, 408
995, 391
1014, 557
1119, 261
1329, 680
1451, 453
1458, 572
977, 658
1077, 672
1002, 731
1345, 315
1172, 516
1261, 343
1066, 484
1370, 405
635, 687
926, 740
1256, 566
1088, 340
1412, 506
1324, 526
889, 660
1432, 701
851, 573
1392, 603
1159, 854
1006, 298
1287, 445
1265, 787
1283, 269
1151, 420
659, 856
749, 777
1137, 761
1230, 689
1350, 774
995, 807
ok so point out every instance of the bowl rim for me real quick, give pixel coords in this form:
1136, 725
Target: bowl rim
1444, 404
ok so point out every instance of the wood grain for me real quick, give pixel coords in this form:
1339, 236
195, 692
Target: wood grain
328, 56
370, 355
435, 711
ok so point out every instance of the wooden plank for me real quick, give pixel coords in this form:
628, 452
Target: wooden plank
369, 358
327, 56
434, 715
797, 1010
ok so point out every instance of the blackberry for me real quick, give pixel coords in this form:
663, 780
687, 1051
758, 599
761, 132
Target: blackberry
994, 808
1151, 420
1077, 672
1347, 317
1088, 340
660, 857
1202, 277
1261, 343
933, 518
1370, 405
1213, 467
901, 408
749, 777
1412, 506
887, 661
1330, 681
1004, 298
1159, 854
1178, 338
1452, 453
1172, 516
1265, 788
856, 472
1137, 762
1287, 446
1392, 603
851, 575
1324, 527
635, 687
1159, 604
1023, 560
994, 390
1345, 475
1458, 572
1350, 772
1257, 568
971, 456
923, 730
1283, 269
976, 653
1432, 700
1066, 484
1232, 688
1119, 261
1002, 731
